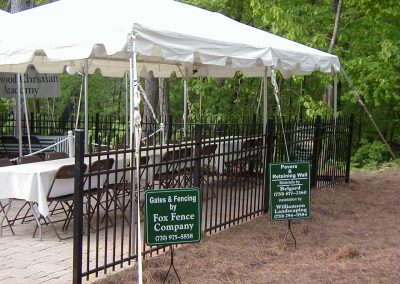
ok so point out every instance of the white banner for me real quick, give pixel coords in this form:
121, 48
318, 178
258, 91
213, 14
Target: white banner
36, 85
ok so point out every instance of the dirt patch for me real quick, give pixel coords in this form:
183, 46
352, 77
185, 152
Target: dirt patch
352, 237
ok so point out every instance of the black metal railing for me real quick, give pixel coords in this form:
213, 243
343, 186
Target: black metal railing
102, 129
230, 166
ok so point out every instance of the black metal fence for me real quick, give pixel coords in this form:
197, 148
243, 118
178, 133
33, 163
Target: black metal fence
103, 129
228, 163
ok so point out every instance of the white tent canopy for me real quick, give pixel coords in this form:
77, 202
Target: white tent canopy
5, 19
170, 36
142, 35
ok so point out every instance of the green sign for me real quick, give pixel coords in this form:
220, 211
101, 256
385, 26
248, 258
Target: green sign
173, 216
289, 191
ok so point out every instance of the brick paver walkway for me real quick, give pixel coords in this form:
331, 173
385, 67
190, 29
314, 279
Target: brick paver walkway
25, 260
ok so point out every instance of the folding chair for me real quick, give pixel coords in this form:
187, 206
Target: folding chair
122, 190
10, 145
170, 170
64, 173
208, 170
50, 157
35, 144
55, 156
98, 185
249, 155
21, 161
4, 162
29, 159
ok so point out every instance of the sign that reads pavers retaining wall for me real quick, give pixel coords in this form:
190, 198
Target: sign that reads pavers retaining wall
173, 216
289, 191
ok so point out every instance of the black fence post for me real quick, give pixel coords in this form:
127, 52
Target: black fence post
254, 124
169, 134
32, 122
197, 155
96, 129
268, 159
78, 206
71, 123
314, 159
349, 142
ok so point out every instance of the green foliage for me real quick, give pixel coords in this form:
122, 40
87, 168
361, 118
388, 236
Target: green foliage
5, 105
373, 167
374, 153
314, 108
367, 45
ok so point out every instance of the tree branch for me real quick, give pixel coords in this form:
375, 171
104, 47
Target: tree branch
336, 27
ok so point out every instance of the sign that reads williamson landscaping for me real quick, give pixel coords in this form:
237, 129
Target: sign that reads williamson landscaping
173, 216
289, 191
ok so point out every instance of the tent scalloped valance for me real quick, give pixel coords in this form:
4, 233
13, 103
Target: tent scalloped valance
169, 36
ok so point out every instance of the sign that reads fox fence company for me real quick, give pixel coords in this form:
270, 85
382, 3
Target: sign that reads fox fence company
173, 216
289, 191
36, 85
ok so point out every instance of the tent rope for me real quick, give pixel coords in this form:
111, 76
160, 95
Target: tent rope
276, 93
358, 96
78, 111
147, 102
42, 150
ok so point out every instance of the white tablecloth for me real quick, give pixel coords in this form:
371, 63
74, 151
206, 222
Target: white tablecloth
31, 182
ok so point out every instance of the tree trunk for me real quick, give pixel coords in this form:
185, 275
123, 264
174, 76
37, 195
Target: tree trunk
151, 90
164, 100
336, 27
164, 104
19, 5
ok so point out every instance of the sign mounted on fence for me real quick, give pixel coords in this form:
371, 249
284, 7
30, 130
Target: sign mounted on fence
173, 216
289, 191
37, 85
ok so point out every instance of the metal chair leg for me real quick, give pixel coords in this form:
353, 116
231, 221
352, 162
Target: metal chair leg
37, 220
55, 230
5, 217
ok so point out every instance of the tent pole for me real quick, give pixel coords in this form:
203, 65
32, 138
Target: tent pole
335, 79
265, 89
131, 95
335, 83
135, 131
126, 108
185, 95
19, 134
86, 71
26, 115
78, 112
184, 106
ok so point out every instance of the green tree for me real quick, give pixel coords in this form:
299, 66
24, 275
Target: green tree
367, 44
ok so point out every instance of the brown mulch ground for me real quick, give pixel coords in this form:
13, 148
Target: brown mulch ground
352, 237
